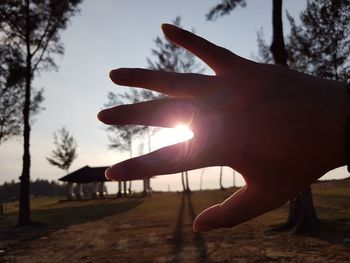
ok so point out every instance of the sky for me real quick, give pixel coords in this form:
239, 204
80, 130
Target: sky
110, 34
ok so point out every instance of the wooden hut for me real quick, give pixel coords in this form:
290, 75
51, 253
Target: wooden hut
96, 176
86, 175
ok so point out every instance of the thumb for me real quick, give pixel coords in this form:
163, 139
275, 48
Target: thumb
242, 206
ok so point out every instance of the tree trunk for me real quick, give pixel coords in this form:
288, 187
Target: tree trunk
278, 48
125, 189
24, 203
144, 192
119, 194
148, 179
234, 178
129, 190
201, 180
302, 214
188, 190
220, 180
183, 182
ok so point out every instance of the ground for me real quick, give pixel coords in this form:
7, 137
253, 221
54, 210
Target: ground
159, 229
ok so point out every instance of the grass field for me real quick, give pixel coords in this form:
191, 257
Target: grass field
159, 229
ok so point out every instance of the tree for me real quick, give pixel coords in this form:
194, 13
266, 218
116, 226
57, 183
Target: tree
185, 184
12, 94
66, 150
277, 47
32, 28
220, 180
165, 56
320, 46
11, 79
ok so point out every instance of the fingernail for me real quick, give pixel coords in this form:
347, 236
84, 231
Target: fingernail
120, 75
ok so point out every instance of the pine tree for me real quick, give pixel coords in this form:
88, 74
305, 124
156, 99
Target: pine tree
320, 45
32, 28
12, 80
66, 150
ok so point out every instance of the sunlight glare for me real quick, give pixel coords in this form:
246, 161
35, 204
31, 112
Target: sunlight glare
169, 136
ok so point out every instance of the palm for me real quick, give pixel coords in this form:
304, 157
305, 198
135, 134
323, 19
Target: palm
249, 116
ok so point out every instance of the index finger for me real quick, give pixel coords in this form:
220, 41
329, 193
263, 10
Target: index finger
217, 58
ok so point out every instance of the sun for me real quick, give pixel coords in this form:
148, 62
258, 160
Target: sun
169, 136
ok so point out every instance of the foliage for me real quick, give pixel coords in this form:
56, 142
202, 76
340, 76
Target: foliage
32, 28
65, 151
264, 53
41, 23
321, 44
224, 8
12, 94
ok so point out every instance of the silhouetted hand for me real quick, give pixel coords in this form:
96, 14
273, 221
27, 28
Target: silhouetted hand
279, 128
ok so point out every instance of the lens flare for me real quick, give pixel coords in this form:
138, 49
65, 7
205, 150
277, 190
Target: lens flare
169, 136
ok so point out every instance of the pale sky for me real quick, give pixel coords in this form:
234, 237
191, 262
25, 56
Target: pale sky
110, 34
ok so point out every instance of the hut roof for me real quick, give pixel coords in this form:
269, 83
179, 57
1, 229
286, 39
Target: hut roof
86, 174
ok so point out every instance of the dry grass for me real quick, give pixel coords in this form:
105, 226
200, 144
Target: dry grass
158, 229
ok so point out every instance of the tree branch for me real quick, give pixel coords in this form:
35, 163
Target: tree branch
37, 62
43, 35
13, 26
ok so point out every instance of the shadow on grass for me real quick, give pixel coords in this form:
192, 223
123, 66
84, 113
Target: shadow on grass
52, 219
178, 238
332, 231
71, 215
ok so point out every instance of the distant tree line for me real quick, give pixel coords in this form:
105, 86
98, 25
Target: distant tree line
9, 191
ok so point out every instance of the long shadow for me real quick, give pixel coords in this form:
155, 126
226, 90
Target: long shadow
178, 240
177, 235
52, 219
334, 232
198, 238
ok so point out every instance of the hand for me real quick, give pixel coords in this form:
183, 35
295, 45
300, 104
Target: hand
279, 128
